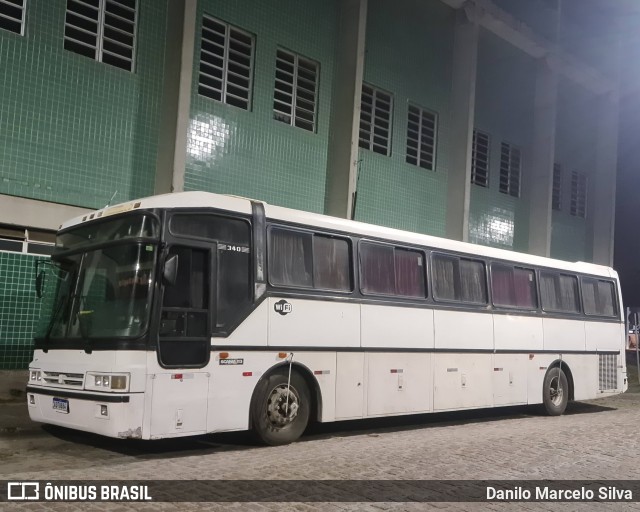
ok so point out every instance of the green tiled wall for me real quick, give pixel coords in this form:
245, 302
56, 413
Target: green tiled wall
504, 109
248, 153
575, 151
19, 310
73, 130
409, 53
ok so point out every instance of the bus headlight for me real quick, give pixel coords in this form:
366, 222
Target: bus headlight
35, 377
107, 381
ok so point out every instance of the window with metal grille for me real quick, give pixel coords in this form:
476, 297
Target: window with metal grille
104, 30
556, 195
295, 95
510, 162
12, 15
421, 137
578, 194
226, 63
376, 107
480, 159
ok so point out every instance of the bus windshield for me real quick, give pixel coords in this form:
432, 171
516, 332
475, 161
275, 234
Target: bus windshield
100, 292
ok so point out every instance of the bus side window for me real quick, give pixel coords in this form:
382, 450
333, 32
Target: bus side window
389, 270
598, 297
559, 292
459, 279
290, 258
513, 287
331, 263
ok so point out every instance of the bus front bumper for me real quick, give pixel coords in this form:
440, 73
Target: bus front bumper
107, 414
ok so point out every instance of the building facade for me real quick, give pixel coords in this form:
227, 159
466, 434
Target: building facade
490, 121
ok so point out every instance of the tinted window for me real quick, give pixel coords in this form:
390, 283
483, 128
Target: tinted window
331, 263
377, 269
290, 258
598, 297
459, 279
559, 292
304, 259
211, 227
391, 270
190, 289
513, 286
130, 226
234, 283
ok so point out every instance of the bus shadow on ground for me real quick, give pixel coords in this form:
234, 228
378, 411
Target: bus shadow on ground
239, 441
437, 420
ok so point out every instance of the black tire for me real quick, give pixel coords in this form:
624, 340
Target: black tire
554, 396
272, 421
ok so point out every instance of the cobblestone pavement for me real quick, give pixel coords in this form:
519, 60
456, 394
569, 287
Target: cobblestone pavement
593, 440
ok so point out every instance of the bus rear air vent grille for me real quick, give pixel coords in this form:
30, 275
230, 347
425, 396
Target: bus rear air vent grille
608, 372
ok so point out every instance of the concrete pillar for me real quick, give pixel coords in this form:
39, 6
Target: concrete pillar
344, 124
463, 101
542, 158
176, 96
602, 182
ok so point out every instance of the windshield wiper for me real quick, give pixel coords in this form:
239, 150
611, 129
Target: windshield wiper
54, 317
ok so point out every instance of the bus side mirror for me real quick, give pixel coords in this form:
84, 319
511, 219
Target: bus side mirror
39, 283
170, 271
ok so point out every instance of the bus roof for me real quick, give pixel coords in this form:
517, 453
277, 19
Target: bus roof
326, 222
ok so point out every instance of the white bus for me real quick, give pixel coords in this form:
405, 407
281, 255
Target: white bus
193, 313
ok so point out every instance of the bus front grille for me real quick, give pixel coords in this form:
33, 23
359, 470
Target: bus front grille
608, 372
63, 380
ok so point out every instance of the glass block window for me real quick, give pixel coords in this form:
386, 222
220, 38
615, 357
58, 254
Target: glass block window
12, 14
376, 108
510, 162
226, 63
578, 194
295, 95
104, 30
480, 159
556, 194
421, 137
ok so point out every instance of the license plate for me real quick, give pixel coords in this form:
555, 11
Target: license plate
61, 405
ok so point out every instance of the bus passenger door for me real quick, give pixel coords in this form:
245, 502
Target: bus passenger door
180, 391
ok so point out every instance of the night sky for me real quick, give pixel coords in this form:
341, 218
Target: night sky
627, 225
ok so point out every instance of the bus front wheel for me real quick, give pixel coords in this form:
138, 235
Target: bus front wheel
280, 408
555, 391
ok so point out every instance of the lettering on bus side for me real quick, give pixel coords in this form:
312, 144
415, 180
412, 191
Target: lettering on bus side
230, 362
283, 307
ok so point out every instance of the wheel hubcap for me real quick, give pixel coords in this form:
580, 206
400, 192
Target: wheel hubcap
556, 392
282, 409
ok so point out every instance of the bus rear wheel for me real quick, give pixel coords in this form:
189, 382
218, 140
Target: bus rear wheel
555, 392
280, 409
